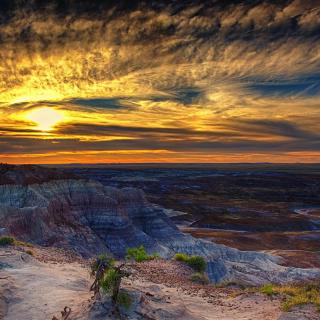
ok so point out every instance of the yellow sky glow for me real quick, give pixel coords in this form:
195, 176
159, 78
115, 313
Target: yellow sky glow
152, 86
45, 118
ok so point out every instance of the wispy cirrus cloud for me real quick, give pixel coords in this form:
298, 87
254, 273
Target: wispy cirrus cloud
190, 77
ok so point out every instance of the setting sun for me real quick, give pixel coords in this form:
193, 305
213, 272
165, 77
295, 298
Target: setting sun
45, 118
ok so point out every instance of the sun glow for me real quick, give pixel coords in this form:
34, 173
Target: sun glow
45, 118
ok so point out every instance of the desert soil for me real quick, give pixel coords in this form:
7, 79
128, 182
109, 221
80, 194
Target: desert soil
38, 287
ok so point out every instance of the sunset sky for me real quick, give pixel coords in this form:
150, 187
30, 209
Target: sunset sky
159, 81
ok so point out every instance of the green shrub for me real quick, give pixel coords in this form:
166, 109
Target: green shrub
102, 260
109, 280
139, 254
5, 241
197, 263
268, 290
182, 257
199, 277
108, 275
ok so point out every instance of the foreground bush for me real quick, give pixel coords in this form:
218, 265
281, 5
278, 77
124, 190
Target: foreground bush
108, 276
139, 254
197, 263
103, 261
6, 241
294, 295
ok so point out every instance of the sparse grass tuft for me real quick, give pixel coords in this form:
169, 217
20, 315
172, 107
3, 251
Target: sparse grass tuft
139, 254
200, 278
295, 295
23, 244
197, 263
7, 241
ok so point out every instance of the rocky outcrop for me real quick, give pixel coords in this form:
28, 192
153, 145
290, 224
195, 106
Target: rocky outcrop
83, 215
91, 218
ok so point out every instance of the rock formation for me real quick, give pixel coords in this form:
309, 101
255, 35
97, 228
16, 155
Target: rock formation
91, 218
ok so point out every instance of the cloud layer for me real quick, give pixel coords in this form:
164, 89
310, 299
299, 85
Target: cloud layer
163, 80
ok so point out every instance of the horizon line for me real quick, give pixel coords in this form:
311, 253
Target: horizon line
165, 163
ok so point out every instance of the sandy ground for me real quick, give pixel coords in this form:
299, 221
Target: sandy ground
33, 289
197, 301
174, 302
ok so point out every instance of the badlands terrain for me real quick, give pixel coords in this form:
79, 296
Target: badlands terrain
269, 207
71, 216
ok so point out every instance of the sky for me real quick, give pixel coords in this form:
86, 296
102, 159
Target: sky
159, 81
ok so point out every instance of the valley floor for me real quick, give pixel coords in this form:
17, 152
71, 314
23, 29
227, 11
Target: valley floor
40, 286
